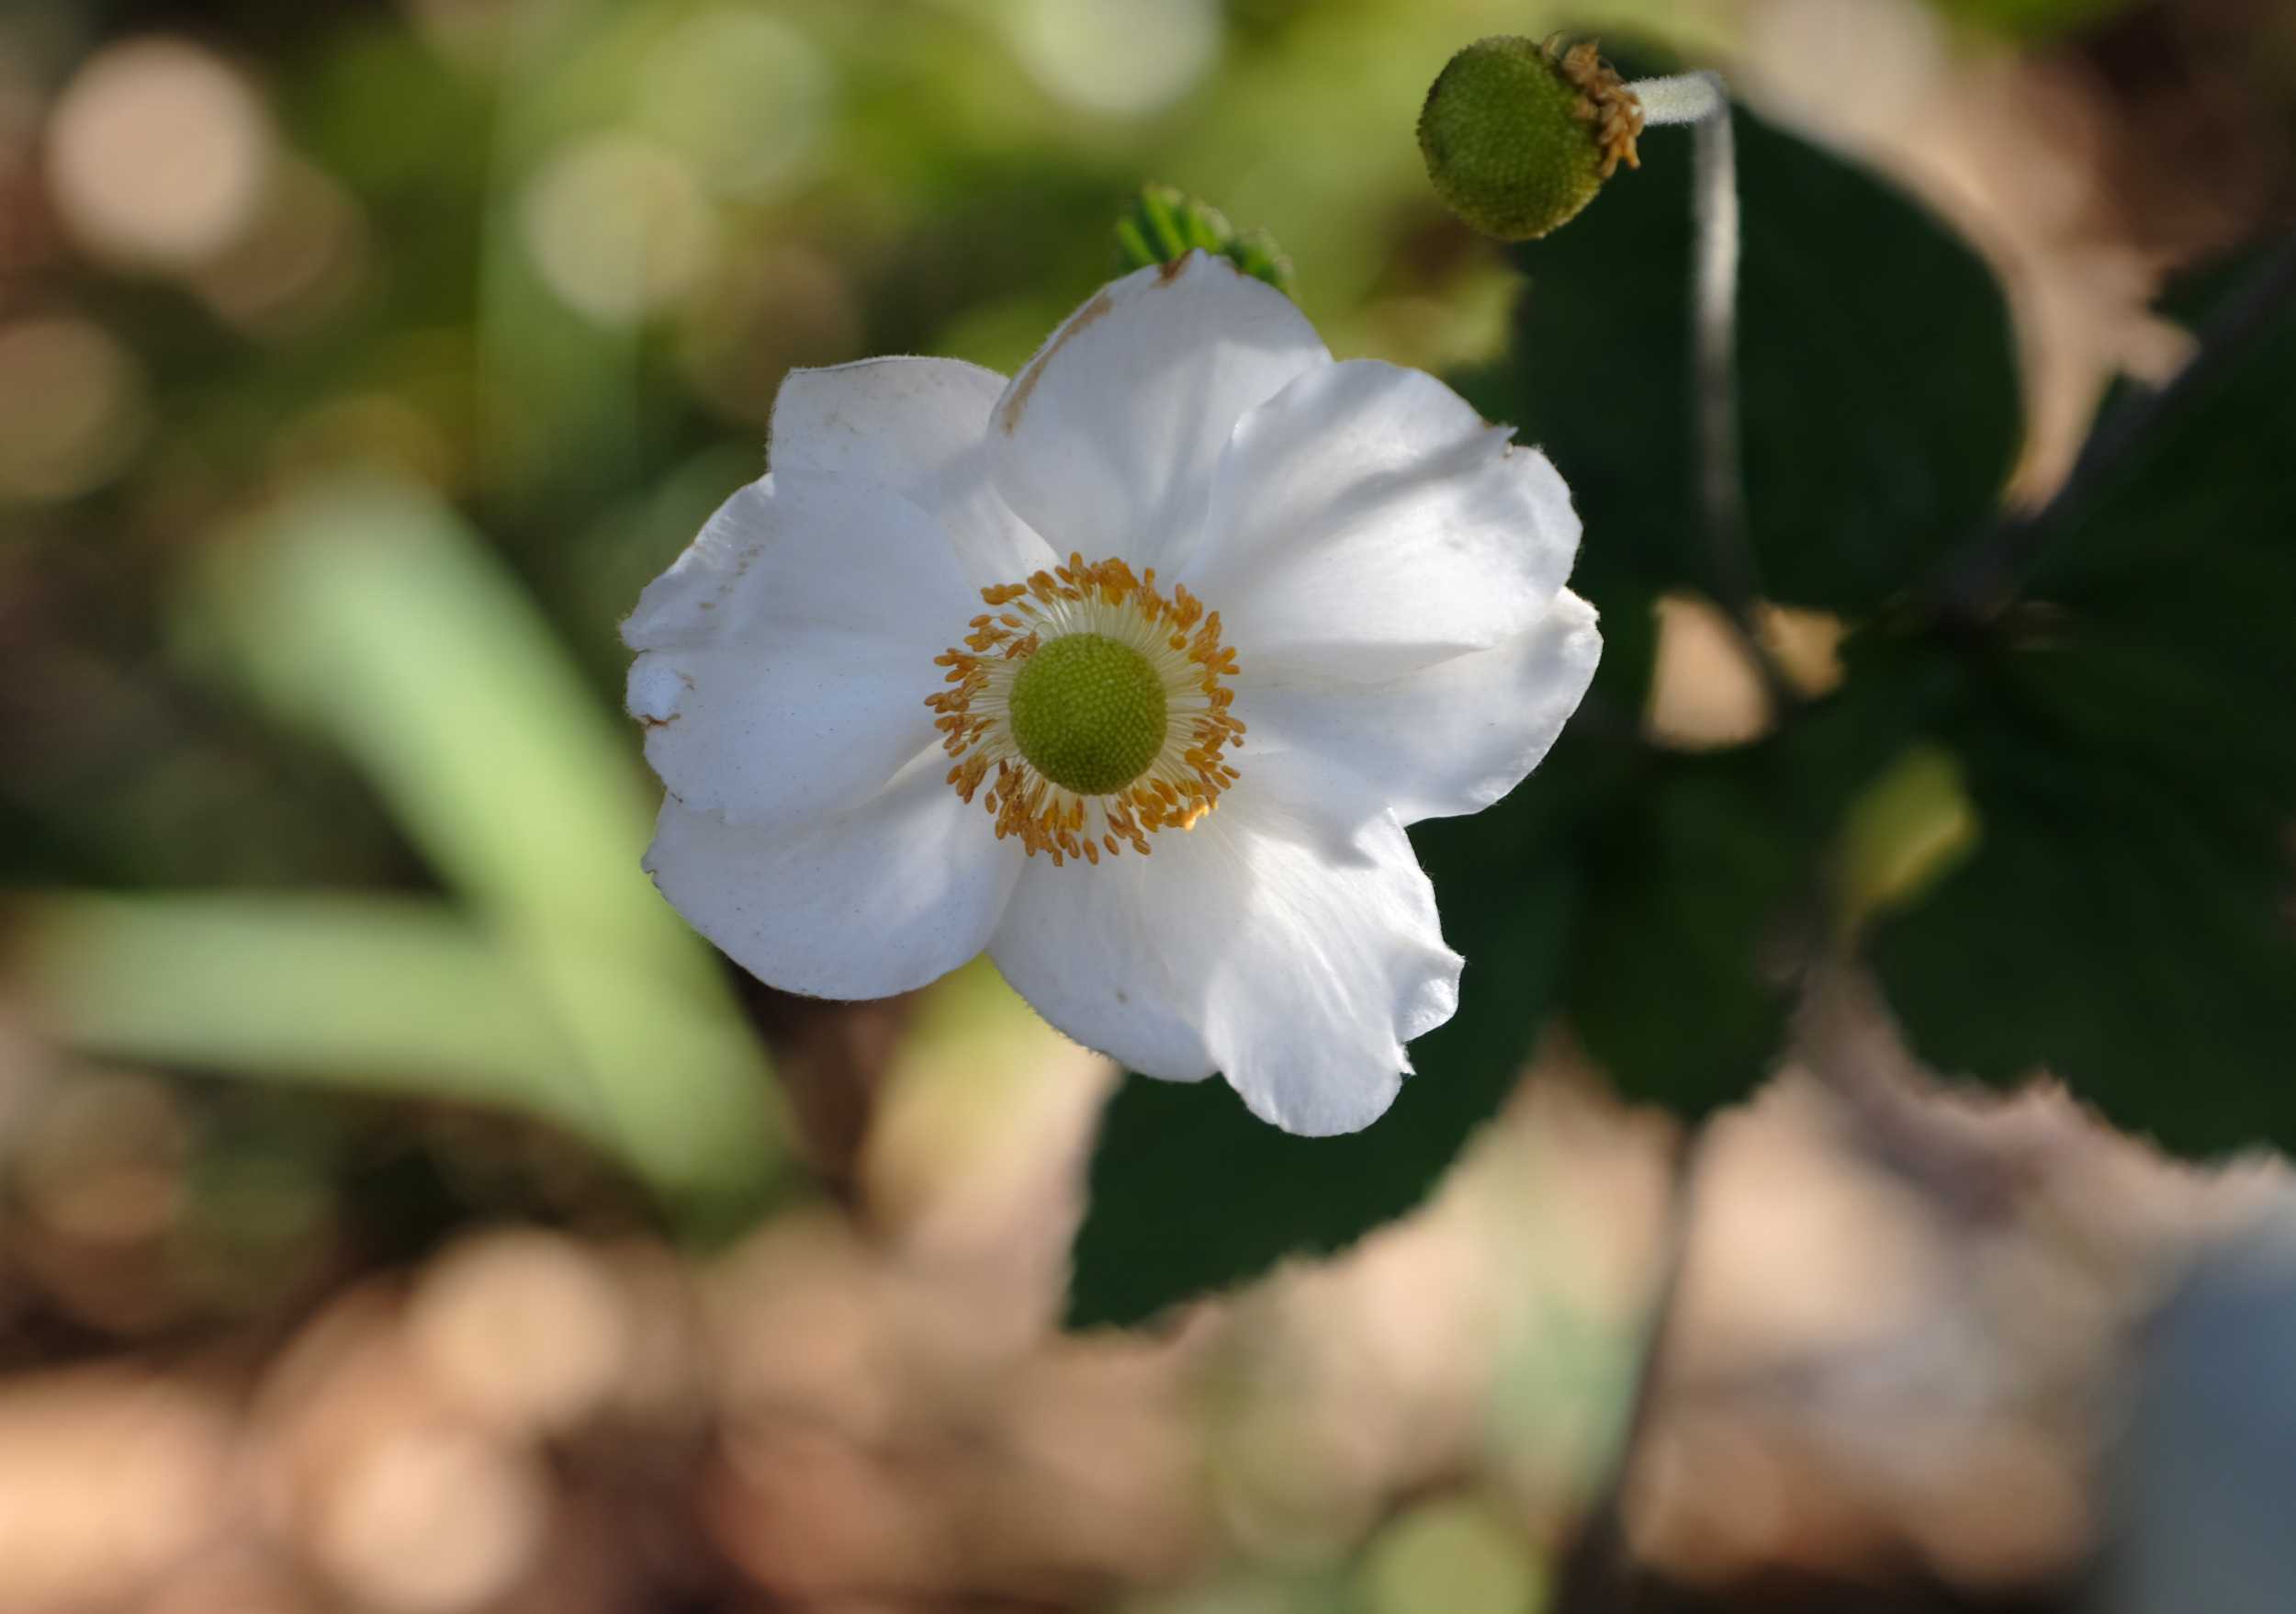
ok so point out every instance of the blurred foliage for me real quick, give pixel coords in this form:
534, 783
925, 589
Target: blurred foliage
2034, 19
366, 613
1449, 1555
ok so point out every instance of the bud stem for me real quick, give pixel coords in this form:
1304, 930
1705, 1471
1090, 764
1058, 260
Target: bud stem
1684, 98
1701, 100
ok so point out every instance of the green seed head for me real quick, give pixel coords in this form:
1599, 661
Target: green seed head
1088, 712
1519, 136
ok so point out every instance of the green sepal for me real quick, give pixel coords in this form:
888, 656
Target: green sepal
1165, 223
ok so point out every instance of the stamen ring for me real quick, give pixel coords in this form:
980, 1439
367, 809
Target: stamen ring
1097, 802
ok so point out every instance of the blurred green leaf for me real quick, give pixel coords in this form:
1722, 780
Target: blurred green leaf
1905, 830
366, 611
2036, 20
2111, 930
356, 989
1452, 1555
348, 105
1708, 881
2126, 922
1680, 963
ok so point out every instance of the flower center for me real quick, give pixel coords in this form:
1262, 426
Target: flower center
1088, 712
1098, 704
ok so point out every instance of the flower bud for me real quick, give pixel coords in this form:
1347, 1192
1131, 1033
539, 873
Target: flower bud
1519, 136
1165, 224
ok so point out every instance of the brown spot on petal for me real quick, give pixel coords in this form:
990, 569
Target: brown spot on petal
1009, 416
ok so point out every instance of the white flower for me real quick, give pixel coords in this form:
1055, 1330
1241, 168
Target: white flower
1130, 672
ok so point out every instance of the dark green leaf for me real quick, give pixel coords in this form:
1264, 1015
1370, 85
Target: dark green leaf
2126, 920
1674, 980
2114, 929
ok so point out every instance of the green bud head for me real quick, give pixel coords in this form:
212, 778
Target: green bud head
1519, 136
1090, 712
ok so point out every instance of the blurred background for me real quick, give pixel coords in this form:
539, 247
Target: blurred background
400, 1210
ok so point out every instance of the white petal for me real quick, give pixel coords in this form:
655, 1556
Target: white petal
807, 721
1107, 441
1366, 521
1104, 954
806, 547
1251, 953
1448, 739
879, 898
918, 426
786, 657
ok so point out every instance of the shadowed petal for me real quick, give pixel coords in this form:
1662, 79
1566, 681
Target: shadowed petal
785, 659
878, 898
1244, 951
1439, 740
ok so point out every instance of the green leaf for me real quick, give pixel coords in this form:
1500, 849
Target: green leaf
366, 991
1458, 1554
2111, 930
1694, 886
368, 611
1905, 831
2126, 920
1703, 878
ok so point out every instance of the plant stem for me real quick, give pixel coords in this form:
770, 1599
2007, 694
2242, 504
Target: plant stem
1599, 1573
1702, 100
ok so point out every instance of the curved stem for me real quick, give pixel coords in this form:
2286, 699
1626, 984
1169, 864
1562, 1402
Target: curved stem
1684, 98
1715, 332
1702, 100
